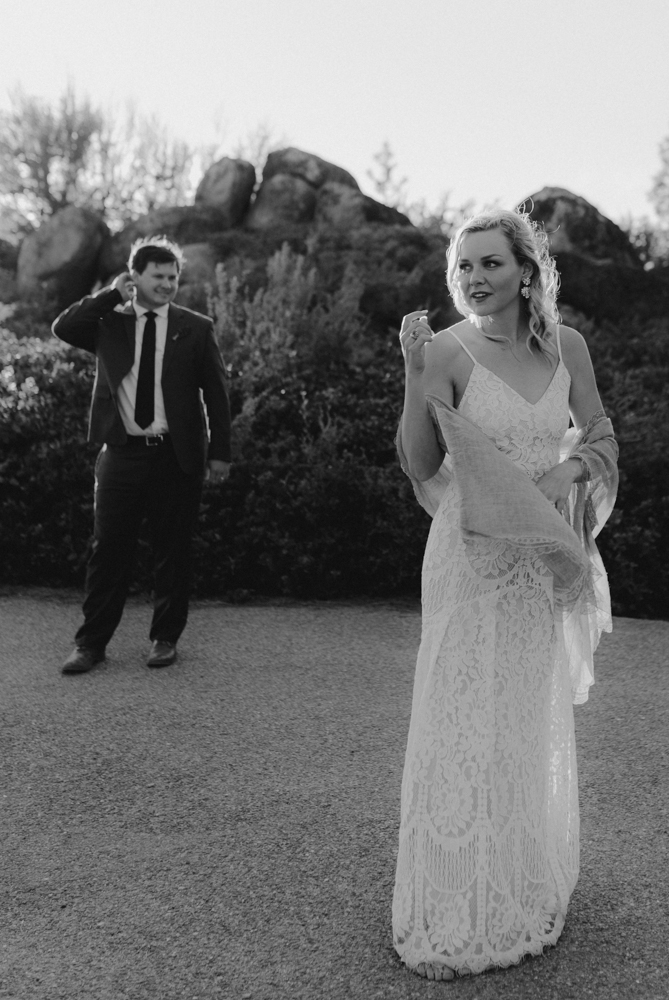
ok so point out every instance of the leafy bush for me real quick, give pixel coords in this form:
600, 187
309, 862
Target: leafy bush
326, 510
316, 505
632, 368
45, 464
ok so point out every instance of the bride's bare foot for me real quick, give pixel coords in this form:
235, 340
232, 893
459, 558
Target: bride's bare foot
429, 970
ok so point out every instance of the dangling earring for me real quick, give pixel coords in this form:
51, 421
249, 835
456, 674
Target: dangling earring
525, 292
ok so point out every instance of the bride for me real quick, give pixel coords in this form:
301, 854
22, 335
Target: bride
514, 600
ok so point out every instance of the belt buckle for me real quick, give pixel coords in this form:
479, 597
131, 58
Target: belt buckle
153, 440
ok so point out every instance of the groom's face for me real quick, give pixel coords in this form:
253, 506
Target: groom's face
157, 284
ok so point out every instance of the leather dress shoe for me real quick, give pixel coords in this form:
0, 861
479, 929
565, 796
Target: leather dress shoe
162, 654
82, 659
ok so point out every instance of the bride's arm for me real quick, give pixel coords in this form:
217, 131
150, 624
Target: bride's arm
584, 398
417, 432
584, 402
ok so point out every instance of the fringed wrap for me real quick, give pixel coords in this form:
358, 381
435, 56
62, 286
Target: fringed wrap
501, 504
590, 504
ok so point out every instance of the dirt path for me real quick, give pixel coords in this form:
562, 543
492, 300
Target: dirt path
227, 828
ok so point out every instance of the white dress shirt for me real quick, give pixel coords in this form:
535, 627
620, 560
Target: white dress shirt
127, 391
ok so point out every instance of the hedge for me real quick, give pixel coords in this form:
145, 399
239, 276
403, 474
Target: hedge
316, 505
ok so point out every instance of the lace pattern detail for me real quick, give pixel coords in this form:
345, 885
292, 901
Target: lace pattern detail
529, 433
488, 851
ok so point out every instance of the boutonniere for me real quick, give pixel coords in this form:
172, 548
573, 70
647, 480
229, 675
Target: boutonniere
183, 332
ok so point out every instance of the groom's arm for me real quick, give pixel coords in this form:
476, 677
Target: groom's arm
213, 382
78, 325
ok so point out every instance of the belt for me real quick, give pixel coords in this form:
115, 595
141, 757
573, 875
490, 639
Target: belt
147, 440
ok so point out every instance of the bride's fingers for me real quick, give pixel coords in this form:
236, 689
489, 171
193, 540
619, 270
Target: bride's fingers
416, 314
417, 337
421, 327
418, 332
416, 344
411, 319
420, 335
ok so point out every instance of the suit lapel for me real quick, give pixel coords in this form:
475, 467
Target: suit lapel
172, 336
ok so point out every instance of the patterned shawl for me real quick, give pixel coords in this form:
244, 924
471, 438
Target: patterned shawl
501, 505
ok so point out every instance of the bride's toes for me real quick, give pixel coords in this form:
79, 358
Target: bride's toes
438, 972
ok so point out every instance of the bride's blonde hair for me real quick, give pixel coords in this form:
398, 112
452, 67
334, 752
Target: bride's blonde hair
529, 245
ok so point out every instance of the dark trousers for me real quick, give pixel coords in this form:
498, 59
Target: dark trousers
134, 481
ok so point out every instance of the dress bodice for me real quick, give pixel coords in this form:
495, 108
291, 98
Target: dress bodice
529, 433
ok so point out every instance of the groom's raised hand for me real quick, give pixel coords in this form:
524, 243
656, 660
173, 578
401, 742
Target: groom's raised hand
123, 284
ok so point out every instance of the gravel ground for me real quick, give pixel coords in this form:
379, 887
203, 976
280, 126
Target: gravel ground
226, 828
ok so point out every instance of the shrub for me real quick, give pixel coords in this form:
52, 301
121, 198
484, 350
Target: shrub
316, 505
45, 463
632, 368
315, 401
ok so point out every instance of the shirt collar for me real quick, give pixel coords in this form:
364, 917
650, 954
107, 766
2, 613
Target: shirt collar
159, 311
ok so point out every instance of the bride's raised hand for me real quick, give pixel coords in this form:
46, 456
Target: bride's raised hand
415, 333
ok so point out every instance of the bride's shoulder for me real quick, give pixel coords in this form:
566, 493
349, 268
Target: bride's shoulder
572, 342
575, 353
445, 340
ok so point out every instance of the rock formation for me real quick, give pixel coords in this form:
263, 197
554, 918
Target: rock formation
67, 253
600, 272
303, 196
283, 199
311, 168
227, 187
575, 226
299, 187
347, 207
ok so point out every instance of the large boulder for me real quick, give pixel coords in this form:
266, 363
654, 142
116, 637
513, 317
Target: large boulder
284, 199
299, 188
601, 274
346, 207
64, 255
309, 167
340, 205
227, 186
386, 215
575, 226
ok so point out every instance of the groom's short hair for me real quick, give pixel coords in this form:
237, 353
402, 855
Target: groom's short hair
158, 249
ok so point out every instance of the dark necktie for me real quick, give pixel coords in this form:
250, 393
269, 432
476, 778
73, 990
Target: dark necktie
146, 376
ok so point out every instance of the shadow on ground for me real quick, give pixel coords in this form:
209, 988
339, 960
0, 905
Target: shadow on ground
226, 828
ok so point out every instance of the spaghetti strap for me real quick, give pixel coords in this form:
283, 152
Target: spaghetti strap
465, 349
557, 338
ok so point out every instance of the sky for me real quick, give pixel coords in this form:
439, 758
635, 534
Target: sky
484, 100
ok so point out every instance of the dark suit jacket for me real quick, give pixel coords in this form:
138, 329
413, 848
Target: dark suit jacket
193, 370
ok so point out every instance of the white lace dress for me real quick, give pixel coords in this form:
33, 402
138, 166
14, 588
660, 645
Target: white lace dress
488, 852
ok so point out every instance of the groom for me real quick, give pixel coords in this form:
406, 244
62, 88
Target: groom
156, 364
